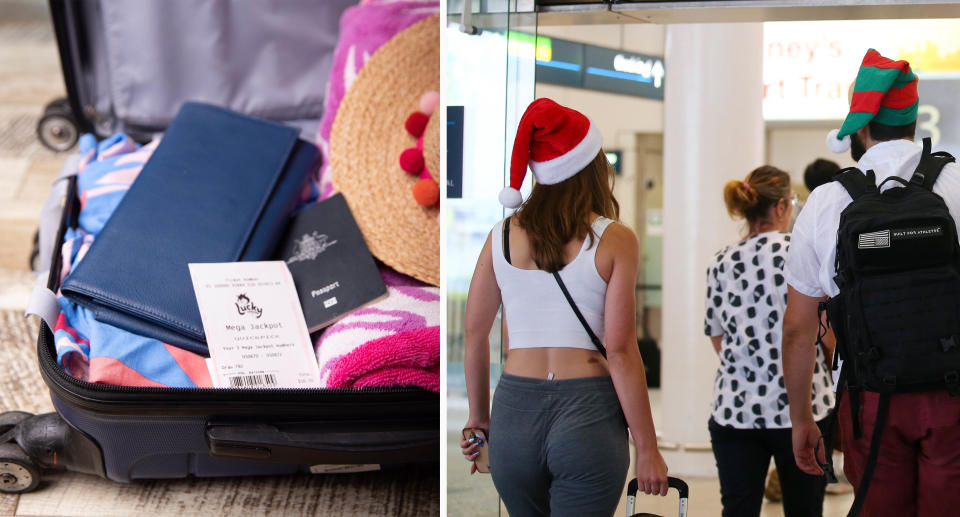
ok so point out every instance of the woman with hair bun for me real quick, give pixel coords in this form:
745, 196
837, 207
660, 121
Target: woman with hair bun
745, 302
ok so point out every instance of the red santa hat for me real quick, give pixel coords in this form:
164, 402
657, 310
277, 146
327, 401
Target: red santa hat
555, 141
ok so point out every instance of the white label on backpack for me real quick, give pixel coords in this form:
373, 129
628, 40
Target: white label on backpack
879, 239
917, 233
884, 238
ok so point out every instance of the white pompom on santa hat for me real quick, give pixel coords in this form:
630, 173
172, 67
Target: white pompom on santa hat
555, 141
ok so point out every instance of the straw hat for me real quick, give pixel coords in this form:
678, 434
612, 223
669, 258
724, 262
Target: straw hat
367, 138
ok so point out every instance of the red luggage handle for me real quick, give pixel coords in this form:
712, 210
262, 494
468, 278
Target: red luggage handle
672, 482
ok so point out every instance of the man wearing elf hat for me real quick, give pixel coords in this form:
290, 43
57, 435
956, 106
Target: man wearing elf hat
918, 470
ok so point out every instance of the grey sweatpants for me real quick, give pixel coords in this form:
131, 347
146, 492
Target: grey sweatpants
558, 447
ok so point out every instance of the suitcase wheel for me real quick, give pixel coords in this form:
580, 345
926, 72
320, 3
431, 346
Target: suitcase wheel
57, 128
17, 473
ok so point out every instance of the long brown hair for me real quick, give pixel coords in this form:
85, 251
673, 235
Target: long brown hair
752, 197
554, 215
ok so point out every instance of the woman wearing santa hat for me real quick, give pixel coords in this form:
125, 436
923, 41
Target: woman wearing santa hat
573, 381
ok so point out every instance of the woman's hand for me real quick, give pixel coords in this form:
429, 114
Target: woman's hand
651, 472
471, 450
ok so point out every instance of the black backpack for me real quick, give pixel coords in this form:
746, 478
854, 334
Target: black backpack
897, 316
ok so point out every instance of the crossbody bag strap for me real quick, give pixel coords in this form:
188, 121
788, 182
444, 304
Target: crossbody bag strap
583, 321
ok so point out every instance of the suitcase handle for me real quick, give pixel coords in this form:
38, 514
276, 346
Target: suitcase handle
672, 482
326, 443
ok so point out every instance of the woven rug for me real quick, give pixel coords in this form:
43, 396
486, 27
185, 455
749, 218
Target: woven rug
412, 492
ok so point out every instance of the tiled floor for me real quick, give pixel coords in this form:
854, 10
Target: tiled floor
29, 78
475, 496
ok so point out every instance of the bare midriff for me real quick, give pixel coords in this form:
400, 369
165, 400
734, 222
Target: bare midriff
563, 363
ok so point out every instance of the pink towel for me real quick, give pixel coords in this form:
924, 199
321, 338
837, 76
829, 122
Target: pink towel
410, 358
363, 29
393, 342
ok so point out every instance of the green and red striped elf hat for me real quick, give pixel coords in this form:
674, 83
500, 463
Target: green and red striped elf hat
885, 91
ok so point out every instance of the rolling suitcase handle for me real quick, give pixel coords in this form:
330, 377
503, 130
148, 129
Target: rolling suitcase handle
305, 444
672, 482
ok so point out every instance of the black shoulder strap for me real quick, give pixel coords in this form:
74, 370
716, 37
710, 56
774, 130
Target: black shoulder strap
583, 321
506, 239
930, 166
857, 183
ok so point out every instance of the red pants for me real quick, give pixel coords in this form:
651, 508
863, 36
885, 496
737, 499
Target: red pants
918, 466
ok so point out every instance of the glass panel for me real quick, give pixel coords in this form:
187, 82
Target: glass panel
489, 83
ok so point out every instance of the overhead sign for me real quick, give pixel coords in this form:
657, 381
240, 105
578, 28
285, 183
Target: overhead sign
570, 63
623, 72
809, 67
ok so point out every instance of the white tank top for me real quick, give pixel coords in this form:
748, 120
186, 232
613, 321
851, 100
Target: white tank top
537, 313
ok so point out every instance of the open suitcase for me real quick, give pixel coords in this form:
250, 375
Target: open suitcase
125, 433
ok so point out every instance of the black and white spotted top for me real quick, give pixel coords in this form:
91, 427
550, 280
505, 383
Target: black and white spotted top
746, 298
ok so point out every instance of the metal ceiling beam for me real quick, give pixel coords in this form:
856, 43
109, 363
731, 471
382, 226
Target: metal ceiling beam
730, 11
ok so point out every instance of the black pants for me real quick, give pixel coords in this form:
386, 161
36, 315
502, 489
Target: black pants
743, 458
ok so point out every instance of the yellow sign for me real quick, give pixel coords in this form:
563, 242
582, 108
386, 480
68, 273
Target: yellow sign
808, 67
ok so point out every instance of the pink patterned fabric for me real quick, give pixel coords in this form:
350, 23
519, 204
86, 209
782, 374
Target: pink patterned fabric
86, 348
363, 29
393, 342
396, 341
402, 359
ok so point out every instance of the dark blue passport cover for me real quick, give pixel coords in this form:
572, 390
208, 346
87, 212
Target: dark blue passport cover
219, 188
330, 263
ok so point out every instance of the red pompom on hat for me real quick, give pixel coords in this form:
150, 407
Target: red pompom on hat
411, 160
416, 123
555, 141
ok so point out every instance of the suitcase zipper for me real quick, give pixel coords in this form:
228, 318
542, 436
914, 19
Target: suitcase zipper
104, 398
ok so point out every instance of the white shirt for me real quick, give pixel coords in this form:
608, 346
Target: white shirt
813, 248
746, 298
537, 314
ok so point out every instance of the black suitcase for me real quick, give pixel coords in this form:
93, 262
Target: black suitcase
125, 433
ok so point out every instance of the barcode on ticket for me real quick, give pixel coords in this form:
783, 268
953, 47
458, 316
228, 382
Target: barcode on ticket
253, 381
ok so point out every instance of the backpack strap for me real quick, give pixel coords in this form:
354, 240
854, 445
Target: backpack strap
883, 409
930, 166
856, 182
